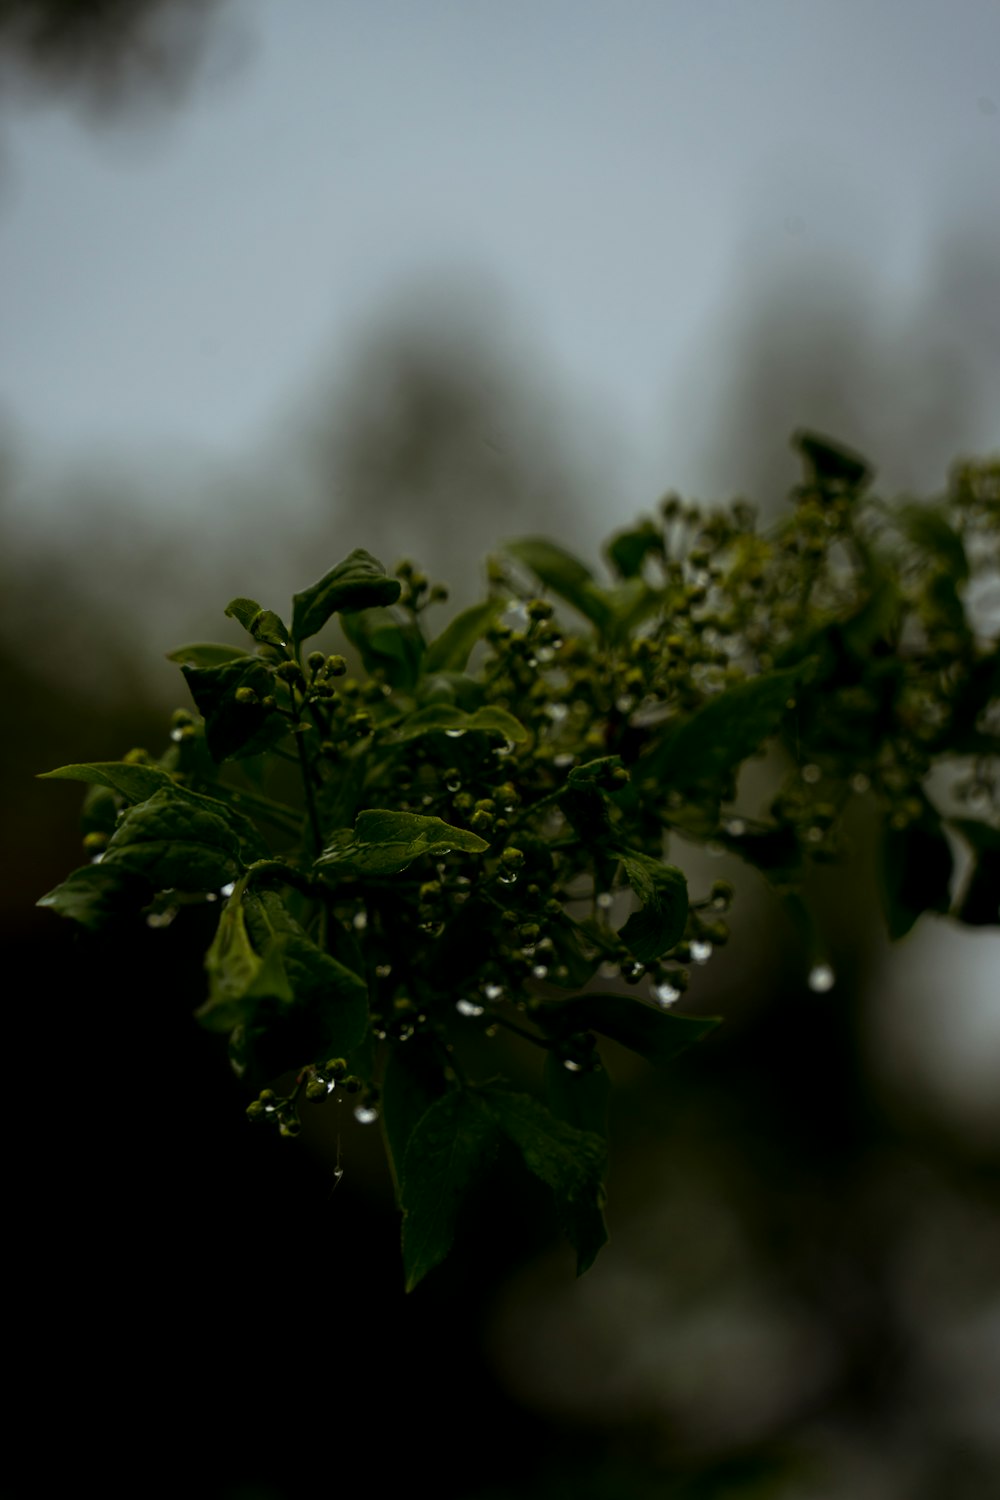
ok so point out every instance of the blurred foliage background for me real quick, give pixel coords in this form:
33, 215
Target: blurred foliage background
801, 1300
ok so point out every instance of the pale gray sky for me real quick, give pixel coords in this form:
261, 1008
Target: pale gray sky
617, 177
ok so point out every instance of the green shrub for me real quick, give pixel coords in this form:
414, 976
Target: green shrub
466, 829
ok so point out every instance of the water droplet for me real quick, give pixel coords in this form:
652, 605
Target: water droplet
365, 1114
227, 890
605, 900
507, 877
531, 661
211, 896
665, 994
468, 1008
528, 951
556, 711
735, 827
493, 991
540, 971
821, 978
609, 969
454, 734
176, 735
404, 1033
625, 703
571, 1066
546, 654
811, 773
360, 921
507, 748
96, 860
564, 760
860, 782
453, 783
383, 970
701, 950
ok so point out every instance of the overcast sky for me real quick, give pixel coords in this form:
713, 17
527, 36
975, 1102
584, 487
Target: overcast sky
610, 179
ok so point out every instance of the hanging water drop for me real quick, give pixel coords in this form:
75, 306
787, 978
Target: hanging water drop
701, 950
227, 890
365, 1114
665, 994
821, 978
454, 734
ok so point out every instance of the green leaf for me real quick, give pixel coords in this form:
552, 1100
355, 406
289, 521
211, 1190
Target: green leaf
565, 575
238, 975
929, 528
328, 1013
916, 871
97, 895
829, 462
569, 1161
174, 843
656, 1035
980, 899
205, 654
134, 783
385, 842
386, 645
724, 732
442, 717
454, 1141
628, 550
243, 610
451, 650
413, 1079
232, 728
661, 921
580, 1098
596, 773
263, 624
359, 582
571, 953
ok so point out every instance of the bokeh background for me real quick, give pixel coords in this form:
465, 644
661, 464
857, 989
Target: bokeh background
276, 282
